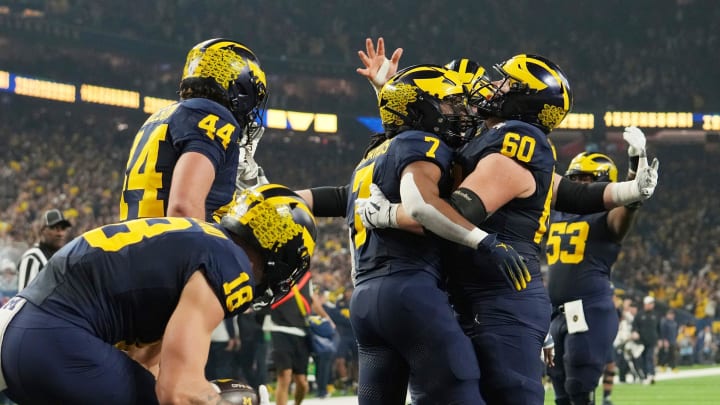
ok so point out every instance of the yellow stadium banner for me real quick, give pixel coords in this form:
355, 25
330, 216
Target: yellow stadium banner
153, 104
25, 86
107, 95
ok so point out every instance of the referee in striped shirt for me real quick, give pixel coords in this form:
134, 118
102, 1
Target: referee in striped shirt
53, 235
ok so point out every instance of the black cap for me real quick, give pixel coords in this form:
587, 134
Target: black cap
53, 218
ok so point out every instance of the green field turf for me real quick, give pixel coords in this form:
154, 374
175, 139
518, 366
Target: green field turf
684, 391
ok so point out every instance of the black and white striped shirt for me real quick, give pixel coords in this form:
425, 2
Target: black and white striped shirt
31, 262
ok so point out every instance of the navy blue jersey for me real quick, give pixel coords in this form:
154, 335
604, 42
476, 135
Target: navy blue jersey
580, 252
380, 251
522, 222
122, 282
194, 125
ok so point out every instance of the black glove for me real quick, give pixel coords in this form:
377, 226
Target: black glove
508, 261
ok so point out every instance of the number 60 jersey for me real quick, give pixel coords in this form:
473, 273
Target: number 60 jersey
122, 282
521, 222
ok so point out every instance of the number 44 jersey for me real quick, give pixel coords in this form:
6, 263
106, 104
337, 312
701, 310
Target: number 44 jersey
195, 125
122, 282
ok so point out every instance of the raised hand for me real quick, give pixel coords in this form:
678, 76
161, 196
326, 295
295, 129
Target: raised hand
378, 68
636, 141
507, 261
647, 178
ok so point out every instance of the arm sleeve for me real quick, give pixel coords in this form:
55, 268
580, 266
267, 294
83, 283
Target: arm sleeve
330, 201
580, 198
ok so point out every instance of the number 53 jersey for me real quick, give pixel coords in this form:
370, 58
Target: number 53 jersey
384, 251
122, 282
195, 125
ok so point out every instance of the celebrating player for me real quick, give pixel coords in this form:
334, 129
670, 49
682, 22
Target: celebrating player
580, 252
184, 160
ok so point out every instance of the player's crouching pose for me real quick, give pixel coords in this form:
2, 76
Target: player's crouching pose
160, 282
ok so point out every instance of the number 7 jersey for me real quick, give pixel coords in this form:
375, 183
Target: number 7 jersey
194, 125
382, 251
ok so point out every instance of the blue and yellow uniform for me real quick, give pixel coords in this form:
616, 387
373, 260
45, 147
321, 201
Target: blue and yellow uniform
399, 310
113, 286
580, 252
507, 327
194, 125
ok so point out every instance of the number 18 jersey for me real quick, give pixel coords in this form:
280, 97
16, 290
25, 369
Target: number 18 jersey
122, 281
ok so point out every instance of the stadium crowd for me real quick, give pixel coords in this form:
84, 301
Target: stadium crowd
636, 58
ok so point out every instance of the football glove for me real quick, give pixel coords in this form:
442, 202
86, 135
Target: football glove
249, 172
647, 178
507, 261
264, 395
636, 148
636, 141
376, 211
639, 189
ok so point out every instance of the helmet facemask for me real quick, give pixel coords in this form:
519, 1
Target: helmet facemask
277, 223
531, 89
428, 98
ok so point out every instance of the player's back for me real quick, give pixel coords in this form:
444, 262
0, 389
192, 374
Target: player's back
580, 253
193, 125
381, 251
123, 281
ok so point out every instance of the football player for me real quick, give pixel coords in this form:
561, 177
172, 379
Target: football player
580, 252
402, 320
508, 171
184, 160
164, 283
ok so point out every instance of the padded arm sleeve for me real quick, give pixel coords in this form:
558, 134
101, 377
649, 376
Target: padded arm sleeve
580, 198
469, 205
330, 201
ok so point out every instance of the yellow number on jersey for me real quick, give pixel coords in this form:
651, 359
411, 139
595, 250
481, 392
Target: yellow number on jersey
520, 147
361, 185
131, 232
236, 294
209, 124
141, 175
578, 232
434, 143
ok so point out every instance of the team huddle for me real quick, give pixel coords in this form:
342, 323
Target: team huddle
448, 211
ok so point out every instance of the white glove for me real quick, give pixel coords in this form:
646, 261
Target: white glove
647, 178
249, 172
263, 395
639, 189
376, 211
636, 141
